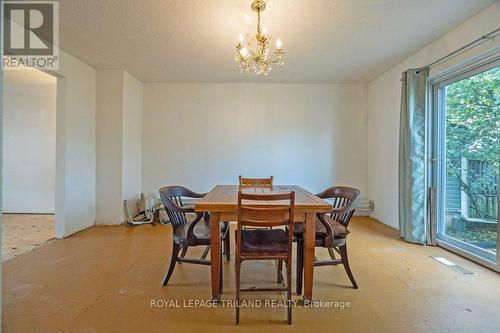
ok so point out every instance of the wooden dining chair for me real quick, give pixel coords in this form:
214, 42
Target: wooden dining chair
190, 228
331, 231
265, 244
244, 181
257, 182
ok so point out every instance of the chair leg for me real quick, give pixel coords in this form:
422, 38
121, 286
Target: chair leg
173, 261
205, 253
227, 244
221, 274
332, 253
300, 266
289, 288
345, 262
279, 275
183, 252
238, 267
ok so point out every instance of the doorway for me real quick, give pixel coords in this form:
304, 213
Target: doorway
467, 151
29, 156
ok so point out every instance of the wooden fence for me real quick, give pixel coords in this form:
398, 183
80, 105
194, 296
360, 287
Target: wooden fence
487, 201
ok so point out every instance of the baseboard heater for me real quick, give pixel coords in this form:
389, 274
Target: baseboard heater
365, 208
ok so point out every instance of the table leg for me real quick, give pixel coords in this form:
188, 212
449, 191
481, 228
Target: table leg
215, 255
309, 244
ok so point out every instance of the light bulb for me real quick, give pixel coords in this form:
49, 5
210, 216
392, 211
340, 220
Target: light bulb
244, 52
279, 43
240, 38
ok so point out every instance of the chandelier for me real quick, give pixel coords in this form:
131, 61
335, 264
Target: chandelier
252, 53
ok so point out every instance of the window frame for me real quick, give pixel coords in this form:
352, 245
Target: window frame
436, 161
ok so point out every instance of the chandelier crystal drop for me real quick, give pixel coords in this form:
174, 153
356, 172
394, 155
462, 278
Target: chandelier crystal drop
252, 52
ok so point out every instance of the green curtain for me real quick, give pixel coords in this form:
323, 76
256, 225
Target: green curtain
412, 188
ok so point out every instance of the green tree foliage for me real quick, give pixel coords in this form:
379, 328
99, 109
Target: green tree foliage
473, 132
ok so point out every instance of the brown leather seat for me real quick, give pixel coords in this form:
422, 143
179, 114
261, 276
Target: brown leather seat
273, 241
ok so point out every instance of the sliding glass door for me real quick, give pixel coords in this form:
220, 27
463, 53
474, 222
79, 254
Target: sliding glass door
467, 154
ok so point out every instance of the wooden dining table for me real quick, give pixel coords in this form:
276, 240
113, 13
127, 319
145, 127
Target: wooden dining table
222, 204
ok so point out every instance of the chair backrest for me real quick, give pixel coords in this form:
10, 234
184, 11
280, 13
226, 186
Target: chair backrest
171, 197
253, 214
342, 197
256, 181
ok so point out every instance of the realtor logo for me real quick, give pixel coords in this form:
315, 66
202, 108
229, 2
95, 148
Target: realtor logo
30, 35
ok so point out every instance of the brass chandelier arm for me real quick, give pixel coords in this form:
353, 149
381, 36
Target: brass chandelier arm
275, 61
279, 57
251, 53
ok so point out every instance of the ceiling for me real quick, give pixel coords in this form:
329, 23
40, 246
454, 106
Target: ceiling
193, 40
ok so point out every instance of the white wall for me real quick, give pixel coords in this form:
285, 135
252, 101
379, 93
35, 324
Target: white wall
384, 102
200, 135
75, 146
29, 143
118, 145
109, 106
132, 140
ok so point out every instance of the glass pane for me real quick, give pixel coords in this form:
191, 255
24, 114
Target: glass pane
472, 150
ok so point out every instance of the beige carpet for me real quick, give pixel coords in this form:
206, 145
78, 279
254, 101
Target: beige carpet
25, 232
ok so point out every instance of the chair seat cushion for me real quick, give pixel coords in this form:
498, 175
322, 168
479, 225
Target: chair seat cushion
201, 230
339, 231
261, 241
